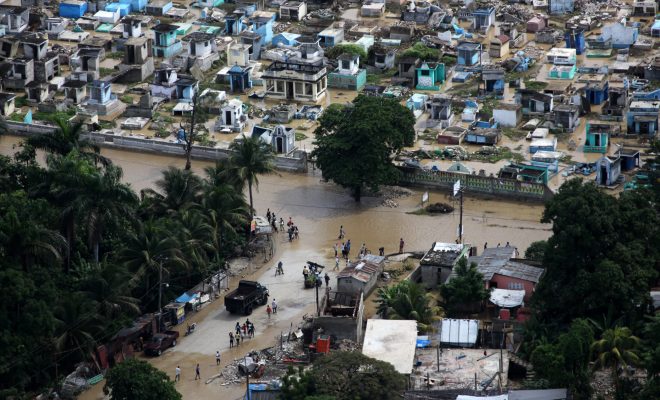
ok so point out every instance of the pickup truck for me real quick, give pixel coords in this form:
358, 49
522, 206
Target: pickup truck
248, 295
160, 342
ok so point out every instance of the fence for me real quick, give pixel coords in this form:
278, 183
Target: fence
486, 185
296, 161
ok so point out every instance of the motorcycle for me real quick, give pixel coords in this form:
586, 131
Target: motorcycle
191, 329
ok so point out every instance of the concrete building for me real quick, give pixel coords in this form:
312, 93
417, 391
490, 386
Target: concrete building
7, 104
138, 63
483, 18
232, 116
282, 139
331, 36
19, 73
440, 110
645, 8
293, 10
642, 118
439, 261
75, 91
202, 51
469, 53
14, 19
85, 64
608, 171
621, 35
166, 44
360, 276
159, 8
46, 63
493, 78
533, 102
348, 74
298, 82
560, 7
430, 76
499, 46
566, 117
507, 115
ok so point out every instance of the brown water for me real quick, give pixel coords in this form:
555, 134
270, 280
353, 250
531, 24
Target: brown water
318, 209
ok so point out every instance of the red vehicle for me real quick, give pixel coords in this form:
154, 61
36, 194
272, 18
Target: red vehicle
161, 342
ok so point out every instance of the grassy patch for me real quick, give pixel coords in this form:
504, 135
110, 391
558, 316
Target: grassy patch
21, 101
300, 136
115, 55
162, 133
535, 85
106, 71
126, 99
46, 116
107, 124
17, 117
421, 211
514, 134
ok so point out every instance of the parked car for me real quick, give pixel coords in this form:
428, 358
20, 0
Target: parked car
160, 342
248, 295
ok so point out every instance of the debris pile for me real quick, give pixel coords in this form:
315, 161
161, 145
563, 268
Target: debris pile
390, 193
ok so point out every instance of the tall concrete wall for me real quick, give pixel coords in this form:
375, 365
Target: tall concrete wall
293, 162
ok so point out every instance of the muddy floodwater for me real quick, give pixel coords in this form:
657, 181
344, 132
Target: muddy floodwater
319, 209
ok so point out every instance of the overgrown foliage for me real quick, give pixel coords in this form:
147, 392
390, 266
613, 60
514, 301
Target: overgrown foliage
466, 291
80, 251
357, 143
423, 52
344, 376
408, 300
138, 380
336, 51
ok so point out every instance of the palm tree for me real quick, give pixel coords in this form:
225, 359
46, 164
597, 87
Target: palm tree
67, 137
75, 326
28, 241
149, 250
617, 348
407, 300
102, 201
251, 157
107, 286
222, 174
178, 188
195, 234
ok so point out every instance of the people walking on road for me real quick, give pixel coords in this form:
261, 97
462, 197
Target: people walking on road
363, 250
282, 224
335, 247
381, 251
268, 311
296, 232
238, 340
274, 304
290, 223
280, 269
244, 327
217, 357
268, 215
327, 279
251, 330
341, 232
343, 250
290, 232
197, 376
231, 340
348, 248
238, 328
336, 263
485, 245
177, 374
401, 243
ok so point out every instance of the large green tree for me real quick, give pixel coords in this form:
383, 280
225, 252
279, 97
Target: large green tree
356, 143
345, 376
465, 291
251, 157
408, 300
603, 254
138, 380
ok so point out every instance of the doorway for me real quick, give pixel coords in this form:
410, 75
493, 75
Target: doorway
279, 145
289, 90
603, 175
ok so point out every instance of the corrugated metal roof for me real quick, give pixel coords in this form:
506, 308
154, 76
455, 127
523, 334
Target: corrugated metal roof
362, 271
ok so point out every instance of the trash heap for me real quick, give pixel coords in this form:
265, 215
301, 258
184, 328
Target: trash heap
266, 364
390, 193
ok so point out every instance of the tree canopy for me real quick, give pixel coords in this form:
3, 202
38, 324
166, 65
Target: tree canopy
423, 52
344, 376
603, 253
356, 143
466, 289
80, 251
408, 300
138, 380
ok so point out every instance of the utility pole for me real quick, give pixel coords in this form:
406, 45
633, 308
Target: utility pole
460, 220
160, 294
247, 380
318, 312
458, 189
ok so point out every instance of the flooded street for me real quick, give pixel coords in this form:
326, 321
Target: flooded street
318, 209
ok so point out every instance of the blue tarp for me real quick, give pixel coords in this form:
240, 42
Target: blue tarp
186, 298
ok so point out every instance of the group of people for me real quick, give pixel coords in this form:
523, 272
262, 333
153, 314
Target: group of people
272, 220
241, 332
271, 310
292, 230
177, 370
344, 248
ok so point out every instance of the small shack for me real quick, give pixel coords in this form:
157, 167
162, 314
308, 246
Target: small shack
459, 332
438, 262
629, 159
360, 276
608, 171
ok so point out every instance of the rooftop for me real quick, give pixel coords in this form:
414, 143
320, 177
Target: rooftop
443, 254
392, 341
165, 28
